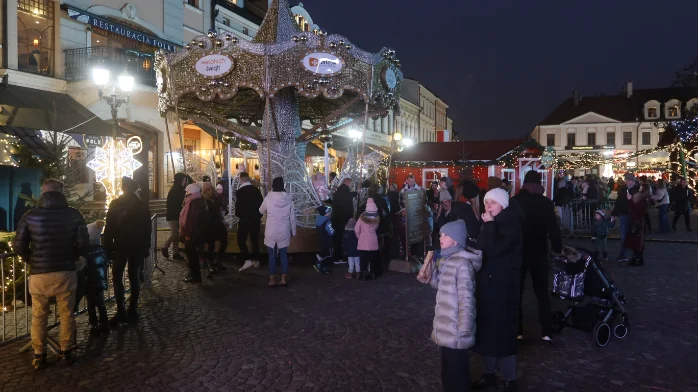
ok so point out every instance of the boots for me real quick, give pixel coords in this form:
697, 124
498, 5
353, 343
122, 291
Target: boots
488, 381
67, 358
39, 361
132, 315
120, 317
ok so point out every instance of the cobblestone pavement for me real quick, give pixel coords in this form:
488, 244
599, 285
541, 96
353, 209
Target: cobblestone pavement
333, 334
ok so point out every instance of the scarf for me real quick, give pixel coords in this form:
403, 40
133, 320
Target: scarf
185, 210
450, 251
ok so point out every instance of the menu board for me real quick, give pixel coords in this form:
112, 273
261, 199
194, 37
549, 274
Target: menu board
414, 221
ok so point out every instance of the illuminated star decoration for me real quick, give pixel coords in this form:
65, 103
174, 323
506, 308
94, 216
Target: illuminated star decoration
111, 163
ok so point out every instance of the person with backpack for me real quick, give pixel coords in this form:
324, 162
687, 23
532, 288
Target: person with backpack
127, 240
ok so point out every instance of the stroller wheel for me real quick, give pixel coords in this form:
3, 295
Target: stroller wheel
620, 331
601, 334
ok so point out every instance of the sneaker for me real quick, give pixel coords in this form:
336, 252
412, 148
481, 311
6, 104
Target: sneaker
520, 337
547, 339
622, 259
487, 381
248, 264
605, 257
256, 264
354, 275
340, 261
177, 256
349, 275
67, 358
192, 279
636, 263
118, 319
39, 361
165, 253
317, 267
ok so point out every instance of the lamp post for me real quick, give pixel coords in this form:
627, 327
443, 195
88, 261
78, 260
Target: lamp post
355, 136
397, 143
101, 76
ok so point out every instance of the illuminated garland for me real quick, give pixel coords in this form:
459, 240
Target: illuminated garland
111, 163
588, 160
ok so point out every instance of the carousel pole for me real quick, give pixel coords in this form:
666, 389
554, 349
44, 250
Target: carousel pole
390, 157
181, 141
327, 163
169, 143
363, 142
267, 118
230, 185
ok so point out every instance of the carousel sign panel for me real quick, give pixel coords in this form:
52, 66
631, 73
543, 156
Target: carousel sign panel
214, 65
320, 63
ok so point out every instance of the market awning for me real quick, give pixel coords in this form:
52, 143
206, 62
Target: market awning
28, 108
29, 138
314, 151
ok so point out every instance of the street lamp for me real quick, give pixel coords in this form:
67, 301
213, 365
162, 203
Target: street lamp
397, 143
101, 77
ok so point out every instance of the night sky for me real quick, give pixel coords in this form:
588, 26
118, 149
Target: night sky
503, 66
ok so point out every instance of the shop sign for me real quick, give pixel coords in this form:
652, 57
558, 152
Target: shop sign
320, 63
98, 22
135, 144
92, 141
214, 65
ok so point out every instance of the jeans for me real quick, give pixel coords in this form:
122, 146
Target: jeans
507, 366
283, 255
135, 263
173, 239
248, 227
664, 218
63, 286
624, 220
455, 370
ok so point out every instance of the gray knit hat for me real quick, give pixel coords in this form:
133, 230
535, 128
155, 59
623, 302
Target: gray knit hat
457, 231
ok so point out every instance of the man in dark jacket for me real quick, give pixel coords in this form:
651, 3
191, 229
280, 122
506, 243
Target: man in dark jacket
127, 240
622, 209
539, 225
681, 196
342, 211
248, 199
50, 239
175, 200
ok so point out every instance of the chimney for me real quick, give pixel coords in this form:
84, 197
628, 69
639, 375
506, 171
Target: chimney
629, 89
576, 97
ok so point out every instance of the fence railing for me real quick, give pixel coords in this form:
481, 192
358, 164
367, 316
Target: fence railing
16, 300
577, 217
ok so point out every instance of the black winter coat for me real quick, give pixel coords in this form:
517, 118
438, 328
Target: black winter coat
175, 201
248, 199
681, 197
97, 262
56, 232
622, 206
216, 227
497, 292
128, 226
539, 225
343, 204
472, 222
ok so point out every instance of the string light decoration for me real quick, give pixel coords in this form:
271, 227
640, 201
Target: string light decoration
7, 143
111, 163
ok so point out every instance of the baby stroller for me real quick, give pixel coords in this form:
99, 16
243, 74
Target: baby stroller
597, 303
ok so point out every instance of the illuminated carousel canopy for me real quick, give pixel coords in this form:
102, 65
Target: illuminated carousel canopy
220, 78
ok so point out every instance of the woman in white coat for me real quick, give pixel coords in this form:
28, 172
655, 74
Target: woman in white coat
280, 227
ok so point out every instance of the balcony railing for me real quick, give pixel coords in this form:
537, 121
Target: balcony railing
80, 62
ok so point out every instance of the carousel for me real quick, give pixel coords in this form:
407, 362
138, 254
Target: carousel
258, 93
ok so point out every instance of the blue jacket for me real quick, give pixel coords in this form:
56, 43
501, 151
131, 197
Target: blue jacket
325, 231
350, 243
600, 228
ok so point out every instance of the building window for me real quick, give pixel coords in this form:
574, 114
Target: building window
571, 139
627, 138
193, 3
673, 111
652, 112
611, 139
226, 22
551, 140
246, 31
646, 138
35, 36
591, 139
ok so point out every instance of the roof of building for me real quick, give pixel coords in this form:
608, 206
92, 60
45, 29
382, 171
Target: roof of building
481, 150
618, 107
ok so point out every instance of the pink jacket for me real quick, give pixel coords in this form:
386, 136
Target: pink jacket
365, 231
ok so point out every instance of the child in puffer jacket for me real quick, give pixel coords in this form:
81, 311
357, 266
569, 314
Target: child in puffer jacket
454, 314
350, 246
599, 232
365, 231
325, 232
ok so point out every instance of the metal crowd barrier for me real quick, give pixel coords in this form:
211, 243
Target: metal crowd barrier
16, 301
577, 217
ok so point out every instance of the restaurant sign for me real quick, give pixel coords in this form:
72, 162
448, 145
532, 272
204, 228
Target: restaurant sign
115, 28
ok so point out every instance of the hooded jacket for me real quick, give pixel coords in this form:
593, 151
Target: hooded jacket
454, 313
343, 204
175, 198
539, 225
281, 219
365, 230
128, 225
325, 231
57, 234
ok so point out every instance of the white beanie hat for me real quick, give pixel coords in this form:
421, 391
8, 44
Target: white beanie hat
193, 188
499, 195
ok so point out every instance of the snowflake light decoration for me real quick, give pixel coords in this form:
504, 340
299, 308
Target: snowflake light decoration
111, 163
